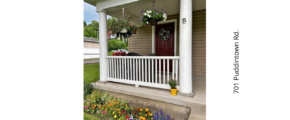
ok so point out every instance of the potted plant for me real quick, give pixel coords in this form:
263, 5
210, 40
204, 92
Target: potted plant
122, 28
172, 84
152, 16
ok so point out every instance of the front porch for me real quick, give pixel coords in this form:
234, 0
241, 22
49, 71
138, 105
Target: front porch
177, 48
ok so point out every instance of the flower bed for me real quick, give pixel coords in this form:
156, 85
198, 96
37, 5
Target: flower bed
108, 107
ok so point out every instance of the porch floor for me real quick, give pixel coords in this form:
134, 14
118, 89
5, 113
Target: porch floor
197, 103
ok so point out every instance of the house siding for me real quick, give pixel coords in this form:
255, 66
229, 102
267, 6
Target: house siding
142, 44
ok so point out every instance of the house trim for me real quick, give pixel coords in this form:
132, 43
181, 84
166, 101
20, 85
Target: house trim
175, 32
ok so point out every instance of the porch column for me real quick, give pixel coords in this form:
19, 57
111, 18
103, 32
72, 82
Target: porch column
185, 46
103, 44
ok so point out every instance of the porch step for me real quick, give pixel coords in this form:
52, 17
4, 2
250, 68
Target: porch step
196, 104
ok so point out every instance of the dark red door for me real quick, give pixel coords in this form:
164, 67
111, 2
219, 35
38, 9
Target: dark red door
164, 43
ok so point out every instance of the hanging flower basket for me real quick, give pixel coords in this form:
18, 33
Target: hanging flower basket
124, 30
153, 22
152, 16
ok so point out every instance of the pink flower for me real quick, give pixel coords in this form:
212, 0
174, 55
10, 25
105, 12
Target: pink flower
104, 112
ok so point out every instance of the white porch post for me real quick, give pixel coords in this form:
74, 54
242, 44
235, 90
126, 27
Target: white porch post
185, 46
103, 43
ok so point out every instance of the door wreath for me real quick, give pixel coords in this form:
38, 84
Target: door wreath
161, 34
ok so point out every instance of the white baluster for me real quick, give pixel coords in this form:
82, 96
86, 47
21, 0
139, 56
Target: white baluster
134, 71
149, 80
159, 81
131, 69
145, 70
142, 70
167, 69
177, 72
164, 71
137, 75
117, 70
173, 60
156, 71
152, 70
120, 66
139, 71
125, 67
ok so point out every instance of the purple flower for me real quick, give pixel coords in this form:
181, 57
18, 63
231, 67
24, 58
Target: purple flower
142, 18
142, 12
157, 115
168, 116
156, 12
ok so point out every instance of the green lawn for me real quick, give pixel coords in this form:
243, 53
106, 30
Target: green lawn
91, 73
90, 117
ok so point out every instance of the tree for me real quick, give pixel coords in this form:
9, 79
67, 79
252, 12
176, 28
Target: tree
95, 25
90, 32
92, 29
85, 24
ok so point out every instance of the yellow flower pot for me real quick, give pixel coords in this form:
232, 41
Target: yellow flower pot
173, 92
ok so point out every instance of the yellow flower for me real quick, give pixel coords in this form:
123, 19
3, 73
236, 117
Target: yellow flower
146, 109
115, 116
141, 109
150, 114
142, 118
113, 112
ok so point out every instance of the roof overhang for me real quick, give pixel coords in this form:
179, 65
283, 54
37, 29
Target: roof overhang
133, 8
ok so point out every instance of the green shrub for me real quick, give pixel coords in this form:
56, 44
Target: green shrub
110, 53
116, 44
87, 89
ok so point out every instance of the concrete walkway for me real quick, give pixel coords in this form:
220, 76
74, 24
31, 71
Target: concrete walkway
91, 61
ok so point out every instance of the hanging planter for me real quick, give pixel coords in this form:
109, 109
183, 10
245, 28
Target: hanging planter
152, 21
122, 27
124, 30
152, 16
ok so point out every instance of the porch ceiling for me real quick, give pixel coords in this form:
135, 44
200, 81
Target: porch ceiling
134, 7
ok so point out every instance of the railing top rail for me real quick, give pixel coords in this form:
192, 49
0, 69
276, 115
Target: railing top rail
146, 57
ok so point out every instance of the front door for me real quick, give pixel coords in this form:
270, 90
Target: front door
164, 43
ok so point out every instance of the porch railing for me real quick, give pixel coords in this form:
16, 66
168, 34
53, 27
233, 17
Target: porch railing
152, 71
